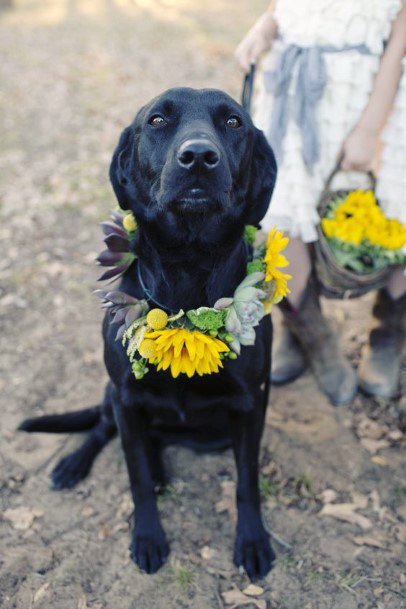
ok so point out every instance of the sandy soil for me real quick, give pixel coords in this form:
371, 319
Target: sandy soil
75, 72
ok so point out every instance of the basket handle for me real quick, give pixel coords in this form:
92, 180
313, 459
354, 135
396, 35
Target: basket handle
247, 89
337, 168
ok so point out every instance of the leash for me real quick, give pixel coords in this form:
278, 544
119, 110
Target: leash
248, 88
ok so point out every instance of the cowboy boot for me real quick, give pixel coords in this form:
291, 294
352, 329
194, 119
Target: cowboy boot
288, 359
334, 374
379, 369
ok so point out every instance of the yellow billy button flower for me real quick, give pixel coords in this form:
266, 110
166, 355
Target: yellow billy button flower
273, 259
157, 319
147, 348
129, 223
186, 351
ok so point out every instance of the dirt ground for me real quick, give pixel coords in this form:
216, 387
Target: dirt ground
73, 74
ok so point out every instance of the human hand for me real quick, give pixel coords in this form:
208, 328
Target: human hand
359, 150
256, 42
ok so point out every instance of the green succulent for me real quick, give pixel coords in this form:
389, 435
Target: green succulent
206, 318
250, 232
255, 266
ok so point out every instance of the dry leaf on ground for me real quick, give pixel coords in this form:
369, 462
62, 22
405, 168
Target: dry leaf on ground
373, 446
40, 593
236, 598
369, 540
367, 428
227, 502
253, 590
329, 495
22, 517
206, 552
347, 513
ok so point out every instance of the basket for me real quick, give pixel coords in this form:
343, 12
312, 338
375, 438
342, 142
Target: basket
334, 280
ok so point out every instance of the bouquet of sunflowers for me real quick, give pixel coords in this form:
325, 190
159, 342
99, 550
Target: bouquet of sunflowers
359, 235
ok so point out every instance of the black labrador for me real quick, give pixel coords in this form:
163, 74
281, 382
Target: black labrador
194, 170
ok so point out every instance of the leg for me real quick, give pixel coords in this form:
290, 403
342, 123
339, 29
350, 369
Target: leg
381, 357
149, 548
289, 360
75, 467
252, 548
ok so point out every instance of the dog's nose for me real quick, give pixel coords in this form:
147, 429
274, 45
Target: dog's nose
198, 153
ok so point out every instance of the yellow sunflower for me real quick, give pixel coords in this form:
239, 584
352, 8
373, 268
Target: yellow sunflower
273, 259
184, 351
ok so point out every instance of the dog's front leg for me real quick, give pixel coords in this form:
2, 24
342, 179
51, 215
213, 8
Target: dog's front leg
149, 548
252, 548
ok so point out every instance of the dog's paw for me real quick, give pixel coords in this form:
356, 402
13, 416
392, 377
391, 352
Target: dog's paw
255, 555
149, 551
70, 471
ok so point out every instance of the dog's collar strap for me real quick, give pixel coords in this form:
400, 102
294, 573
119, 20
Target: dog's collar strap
147, 292
195, 341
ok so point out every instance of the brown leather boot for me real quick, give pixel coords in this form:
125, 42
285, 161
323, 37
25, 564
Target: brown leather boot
379, 369
333, 372
288, 359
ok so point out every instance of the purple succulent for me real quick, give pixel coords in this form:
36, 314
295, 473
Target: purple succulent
118, 254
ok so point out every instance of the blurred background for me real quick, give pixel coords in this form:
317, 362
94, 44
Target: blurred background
73, 74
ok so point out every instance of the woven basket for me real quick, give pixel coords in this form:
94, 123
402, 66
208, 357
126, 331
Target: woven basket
334, 280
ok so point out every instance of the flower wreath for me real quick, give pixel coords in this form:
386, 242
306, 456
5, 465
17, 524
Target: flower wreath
195, 341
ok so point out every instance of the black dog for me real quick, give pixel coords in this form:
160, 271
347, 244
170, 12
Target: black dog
194, 170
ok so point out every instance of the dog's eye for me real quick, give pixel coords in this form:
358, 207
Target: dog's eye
233, 122
157, 120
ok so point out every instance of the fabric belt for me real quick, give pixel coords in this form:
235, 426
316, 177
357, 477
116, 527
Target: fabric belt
311, 82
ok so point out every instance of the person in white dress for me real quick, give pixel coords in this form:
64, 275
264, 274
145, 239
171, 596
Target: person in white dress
331, 86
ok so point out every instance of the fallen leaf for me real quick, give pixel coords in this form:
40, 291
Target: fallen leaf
235, 598
395, 435
373, 446
346, 512
368, 540
87, 511
253, 590
400, 533
367, 428
206, 553
40, 593
375, 500
126, 506
82, 604
328, 495
227, 502
22, 517
379, 460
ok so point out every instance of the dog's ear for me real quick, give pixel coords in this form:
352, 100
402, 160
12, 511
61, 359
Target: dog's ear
262, 181
120, 168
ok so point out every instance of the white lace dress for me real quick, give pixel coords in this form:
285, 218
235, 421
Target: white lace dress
342, 24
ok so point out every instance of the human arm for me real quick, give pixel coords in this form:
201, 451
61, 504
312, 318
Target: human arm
360, 147
258, 39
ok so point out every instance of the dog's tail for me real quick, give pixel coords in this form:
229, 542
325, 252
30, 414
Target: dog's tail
79, 420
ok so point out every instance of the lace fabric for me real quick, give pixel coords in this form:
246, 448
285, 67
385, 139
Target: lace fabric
349, 80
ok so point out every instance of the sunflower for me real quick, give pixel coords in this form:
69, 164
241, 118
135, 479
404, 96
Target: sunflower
273, 259
187, 351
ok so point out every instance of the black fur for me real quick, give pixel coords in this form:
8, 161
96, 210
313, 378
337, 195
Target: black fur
191, 250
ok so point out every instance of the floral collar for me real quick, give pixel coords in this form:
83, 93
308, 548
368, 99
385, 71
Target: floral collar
195, 341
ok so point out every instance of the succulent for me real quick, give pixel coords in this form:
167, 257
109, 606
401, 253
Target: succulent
118, 254
206, 318
245, 312
124, 309
250, 233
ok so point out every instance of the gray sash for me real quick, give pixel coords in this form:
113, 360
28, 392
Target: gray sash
311, 82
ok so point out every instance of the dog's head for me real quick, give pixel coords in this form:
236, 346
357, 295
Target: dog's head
193, 156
